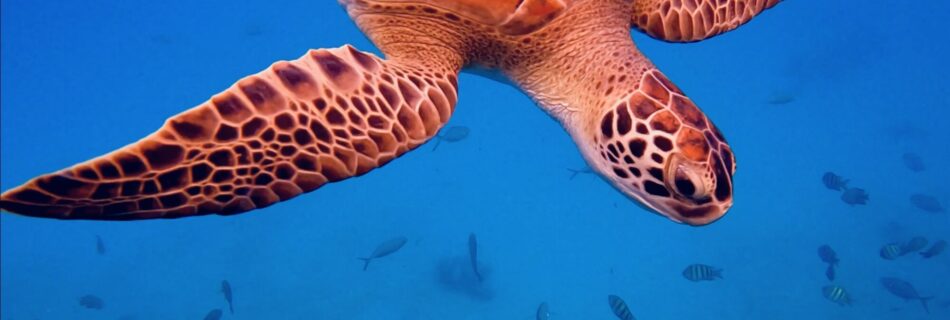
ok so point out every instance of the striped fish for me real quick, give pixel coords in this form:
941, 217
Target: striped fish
700, 272
619, 308
836, 294
834, 182
891, 251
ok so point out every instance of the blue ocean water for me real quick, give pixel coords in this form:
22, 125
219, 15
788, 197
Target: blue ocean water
866, 83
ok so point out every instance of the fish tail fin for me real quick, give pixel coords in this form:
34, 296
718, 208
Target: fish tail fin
923, 301
231, 307
717, 273
365, 262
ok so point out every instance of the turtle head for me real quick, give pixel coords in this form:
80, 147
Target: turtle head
658, 148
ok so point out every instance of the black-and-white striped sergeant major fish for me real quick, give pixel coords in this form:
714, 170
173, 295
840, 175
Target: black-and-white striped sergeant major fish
385, 249
904, 290
701, 272
226, 290
213, 314
834, 182
891, 251
836, 294
543, 313
473, 254
935, 249
619, 308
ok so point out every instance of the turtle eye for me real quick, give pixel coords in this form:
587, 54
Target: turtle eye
687, 183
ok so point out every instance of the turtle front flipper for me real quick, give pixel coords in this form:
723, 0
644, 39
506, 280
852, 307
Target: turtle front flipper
694, 20
327, 116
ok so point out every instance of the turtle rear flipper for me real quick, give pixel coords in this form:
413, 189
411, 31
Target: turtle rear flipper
689, 21
327, 116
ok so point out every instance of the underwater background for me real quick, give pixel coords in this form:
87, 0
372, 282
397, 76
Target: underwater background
806, 88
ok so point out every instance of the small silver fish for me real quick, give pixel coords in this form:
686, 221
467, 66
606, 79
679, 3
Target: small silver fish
543, 313
834, 182
853, 196
226, 290
451, 134
213, 314
91, 302
619, 308
100, 246
904, 290
575, 172
385, 249
781, 97
836, 294
936, 249
701, 272
906, 131
915, 244
473, 255
926, 203
913, 162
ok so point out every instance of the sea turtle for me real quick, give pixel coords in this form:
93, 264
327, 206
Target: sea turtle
338, 113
